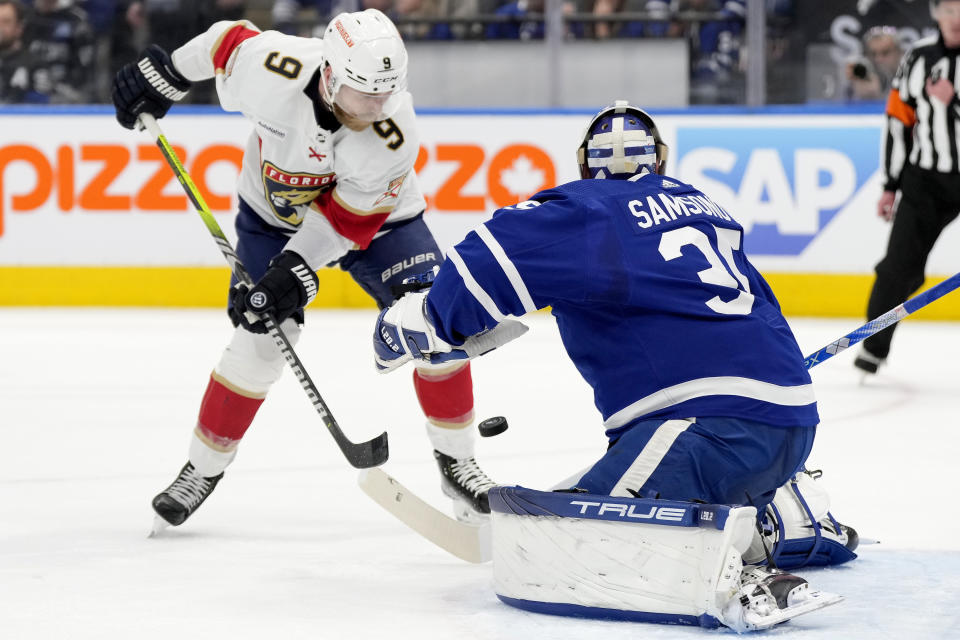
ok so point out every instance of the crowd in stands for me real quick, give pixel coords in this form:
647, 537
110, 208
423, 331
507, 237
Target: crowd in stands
66, 51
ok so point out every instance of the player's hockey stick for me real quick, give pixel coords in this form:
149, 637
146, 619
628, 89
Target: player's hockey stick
882, 322
360, 454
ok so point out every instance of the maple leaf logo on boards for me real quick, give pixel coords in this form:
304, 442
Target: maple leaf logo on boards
522, 178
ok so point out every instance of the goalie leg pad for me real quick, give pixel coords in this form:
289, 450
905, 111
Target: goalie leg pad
599, 556
800, 531
665, 561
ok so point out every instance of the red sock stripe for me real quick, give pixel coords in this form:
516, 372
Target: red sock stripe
225, 415
447, 397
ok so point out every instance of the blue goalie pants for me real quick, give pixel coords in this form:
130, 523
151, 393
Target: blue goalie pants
713, 460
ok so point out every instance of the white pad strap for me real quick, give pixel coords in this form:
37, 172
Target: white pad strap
795, 532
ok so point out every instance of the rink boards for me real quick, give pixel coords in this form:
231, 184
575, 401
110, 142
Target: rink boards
90, 214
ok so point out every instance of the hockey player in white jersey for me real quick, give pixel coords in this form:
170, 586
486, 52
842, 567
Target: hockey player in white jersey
709, 411
327, 180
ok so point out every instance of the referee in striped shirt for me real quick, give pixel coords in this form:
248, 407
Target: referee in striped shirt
920, 158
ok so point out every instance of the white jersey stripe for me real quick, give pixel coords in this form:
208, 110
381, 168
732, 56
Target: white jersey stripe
474, 287
796, 396
649, 459
509, 269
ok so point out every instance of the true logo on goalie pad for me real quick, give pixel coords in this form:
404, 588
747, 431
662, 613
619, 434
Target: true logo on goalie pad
673, 513
631, 511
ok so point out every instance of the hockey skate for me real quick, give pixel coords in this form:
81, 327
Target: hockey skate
768, 597
177, 502
467, 485
867, 362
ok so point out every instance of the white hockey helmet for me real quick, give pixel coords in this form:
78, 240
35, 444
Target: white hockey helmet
368, 65
620, 142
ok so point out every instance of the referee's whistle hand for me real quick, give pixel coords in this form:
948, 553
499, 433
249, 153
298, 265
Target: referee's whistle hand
885, 205
942, 90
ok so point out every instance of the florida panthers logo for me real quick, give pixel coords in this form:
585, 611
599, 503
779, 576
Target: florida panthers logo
286, 191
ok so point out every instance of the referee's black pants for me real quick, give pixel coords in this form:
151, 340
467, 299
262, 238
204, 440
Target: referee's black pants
929, 201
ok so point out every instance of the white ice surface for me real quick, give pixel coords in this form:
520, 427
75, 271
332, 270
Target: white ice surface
96, 408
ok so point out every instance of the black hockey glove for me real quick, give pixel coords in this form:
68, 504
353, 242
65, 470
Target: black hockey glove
288, 286
149, 85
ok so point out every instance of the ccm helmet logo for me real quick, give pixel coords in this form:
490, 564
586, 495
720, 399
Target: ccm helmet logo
384, 80
631, 511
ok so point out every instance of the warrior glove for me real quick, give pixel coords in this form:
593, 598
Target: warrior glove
288, 286
149, 85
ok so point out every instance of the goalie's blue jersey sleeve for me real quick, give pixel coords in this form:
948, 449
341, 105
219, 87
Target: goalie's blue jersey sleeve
657, 305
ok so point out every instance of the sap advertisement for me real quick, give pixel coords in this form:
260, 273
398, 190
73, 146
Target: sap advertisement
77, 189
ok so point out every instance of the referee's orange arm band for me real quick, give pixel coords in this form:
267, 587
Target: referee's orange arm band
897, 108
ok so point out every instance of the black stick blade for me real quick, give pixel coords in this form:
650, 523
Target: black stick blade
364, 455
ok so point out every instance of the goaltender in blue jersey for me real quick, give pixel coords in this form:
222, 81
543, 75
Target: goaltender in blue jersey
695, 371
655, 301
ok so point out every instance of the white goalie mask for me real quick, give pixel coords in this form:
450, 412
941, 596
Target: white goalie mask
367, 66
620, 142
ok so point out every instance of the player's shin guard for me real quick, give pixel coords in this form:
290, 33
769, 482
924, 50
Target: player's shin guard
445, 393
446, 397
249, 366
645, 560
226, 413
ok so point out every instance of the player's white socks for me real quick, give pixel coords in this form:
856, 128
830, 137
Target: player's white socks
208, 461
455, 442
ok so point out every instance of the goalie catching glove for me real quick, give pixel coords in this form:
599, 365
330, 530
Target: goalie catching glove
404, 333
150, 85
288, 286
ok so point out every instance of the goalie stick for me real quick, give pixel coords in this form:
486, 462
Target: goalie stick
465, 541
359, 454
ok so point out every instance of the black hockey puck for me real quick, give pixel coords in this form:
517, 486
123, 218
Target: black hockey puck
492, 426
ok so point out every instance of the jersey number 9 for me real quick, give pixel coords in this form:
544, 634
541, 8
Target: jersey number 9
288, 67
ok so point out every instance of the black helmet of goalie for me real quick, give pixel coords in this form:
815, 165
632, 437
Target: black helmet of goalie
621, 142
366, 66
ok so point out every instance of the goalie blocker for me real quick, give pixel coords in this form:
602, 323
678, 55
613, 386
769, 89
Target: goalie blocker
637, 559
